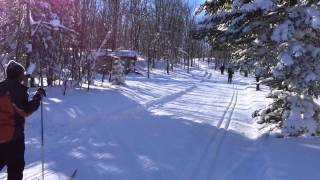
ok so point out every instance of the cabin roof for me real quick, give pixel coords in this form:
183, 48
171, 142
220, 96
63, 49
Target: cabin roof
122, 54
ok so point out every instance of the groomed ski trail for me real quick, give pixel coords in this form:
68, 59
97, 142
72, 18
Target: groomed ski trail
212, 147
170, 127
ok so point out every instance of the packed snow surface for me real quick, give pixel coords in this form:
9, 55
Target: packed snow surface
170, 127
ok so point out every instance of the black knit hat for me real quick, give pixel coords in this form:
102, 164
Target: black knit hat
14, 70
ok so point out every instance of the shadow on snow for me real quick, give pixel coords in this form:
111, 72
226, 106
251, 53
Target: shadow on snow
121, 140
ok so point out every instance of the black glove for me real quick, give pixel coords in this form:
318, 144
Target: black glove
40, 94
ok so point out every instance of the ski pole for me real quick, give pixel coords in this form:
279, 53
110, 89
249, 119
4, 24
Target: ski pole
42, 127
73, 175
42, 141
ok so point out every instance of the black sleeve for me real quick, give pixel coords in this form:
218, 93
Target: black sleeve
30, 106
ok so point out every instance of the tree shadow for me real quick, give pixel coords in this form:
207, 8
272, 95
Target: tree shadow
106, 135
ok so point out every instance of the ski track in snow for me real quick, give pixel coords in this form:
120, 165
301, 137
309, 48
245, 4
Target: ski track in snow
211, 150
220, 138
205, 158
150, 105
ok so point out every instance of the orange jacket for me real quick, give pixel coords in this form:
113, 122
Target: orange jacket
14, 108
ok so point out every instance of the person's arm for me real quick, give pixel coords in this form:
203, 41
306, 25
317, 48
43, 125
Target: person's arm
31, 106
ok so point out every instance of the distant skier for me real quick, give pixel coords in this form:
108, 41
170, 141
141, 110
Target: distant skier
230, 74
258, 72
222, 68
14, 108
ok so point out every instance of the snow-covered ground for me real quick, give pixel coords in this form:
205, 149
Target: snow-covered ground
170, 127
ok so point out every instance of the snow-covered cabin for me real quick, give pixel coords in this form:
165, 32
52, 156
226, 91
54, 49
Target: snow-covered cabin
128, 57
106, 58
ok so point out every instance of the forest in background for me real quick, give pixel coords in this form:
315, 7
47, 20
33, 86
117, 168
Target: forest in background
60, 35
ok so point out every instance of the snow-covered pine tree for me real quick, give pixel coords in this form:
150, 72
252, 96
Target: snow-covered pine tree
33, 32
13, 41
118, 75
51, 40
287, 30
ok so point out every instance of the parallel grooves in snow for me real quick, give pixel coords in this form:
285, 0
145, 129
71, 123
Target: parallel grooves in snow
232, 110
214, 137
227, 109
221, 135
130, 152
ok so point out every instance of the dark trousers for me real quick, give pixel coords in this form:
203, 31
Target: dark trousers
12, 156
229, 79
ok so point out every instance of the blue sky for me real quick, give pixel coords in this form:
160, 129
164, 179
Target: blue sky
195, 2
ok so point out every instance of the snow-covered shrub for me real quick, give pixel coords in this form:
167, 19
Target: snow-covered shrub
131, 68
301, 117
117, 75
273, 112
299, 71
290, 114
